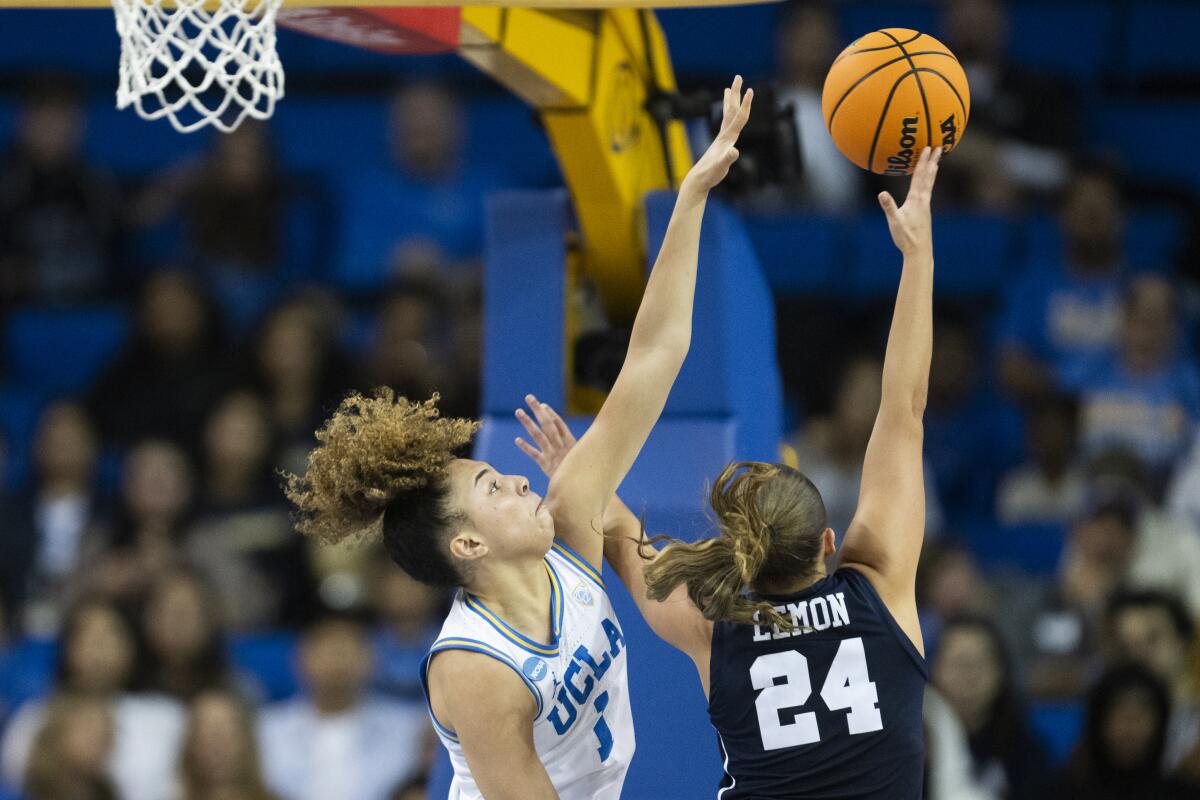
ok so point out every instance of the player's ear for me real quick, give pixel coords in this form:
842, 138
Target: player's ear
468, 545
828, 542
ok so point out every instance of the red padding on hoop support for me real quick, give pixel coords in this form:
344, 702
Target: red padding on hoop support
420, 31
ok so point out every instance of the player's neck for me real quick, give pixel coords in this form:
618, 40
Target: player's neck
798, 585
519, 594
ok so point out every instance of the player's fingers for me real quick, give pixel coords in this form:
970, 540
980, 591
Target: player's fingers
539, 411
888, 204
532, 429
564, 432
554, 425
530, 451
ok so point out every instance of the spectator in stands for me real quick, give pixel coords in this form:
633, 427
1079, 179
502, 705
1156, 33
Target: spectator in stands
1050, 487
1183, 490
462, 391
806, 43
172, 371
242, 537
338, 742
299, 373
964, 453
428, 200
1144, 395
1029, 121
1059, 316
185, 651
415, 789
58, 214
220, 754
143, 538
43, 533
96, 661
406, 348
407, 612
70, 755
1167, 553
949, 585
1155, 630
1125, 730
974, 675
948, 764
1055, 628
832, 449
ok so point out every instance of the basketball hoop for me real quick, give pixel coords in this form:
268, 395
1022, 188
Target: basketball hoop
198, 63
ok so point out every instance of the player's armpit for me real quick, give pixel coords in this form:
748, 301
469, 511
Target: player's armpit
491, 711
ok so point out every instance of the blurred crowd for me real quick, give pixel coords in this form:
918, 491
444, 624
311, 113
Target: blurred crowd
147, 560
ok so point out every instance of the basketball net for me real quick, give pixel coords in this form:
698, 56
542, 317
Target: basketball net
199, 66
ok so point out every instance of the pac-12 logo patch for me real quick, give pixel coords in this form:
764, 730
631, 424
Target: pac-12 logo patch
535, 668
583, 594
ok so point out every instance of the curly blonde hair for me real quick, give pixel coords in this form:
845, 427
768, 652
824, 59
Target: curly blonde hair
380, 469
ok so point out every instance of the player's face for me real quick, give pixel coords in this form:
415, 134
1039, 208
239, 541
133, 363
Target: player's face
502, 511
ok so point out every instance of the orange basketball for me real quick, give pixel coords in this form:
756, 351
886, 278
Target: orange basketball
892, 93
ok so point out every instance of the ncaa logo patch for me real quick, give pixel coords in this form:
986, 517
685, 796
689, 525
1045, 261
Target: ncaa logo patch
583, 594
535, 668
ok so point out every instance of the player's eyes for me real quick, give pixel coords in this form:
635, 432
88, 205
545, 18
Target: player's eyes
494, 488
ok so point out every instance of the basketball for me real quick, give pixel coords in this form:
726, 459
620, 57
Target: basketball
892, 93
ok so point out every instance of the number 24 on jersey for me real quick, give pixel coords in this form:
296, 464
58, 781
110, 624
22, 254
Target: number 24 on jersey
846, 686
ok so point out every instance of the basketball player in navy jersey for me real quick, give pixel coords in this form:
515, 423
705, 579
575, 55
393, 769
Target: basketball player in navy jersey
815, 680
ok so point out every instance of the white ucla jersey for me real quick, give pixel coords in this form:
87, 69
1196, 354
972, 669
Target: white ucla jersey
583, 730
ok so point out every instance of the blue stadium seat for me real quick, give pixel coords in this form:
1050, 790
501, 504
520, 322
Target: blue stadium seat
702, 45
1151, 137
1059, 726
269, 657
858, 19
1038, 30
1153, 237
26, 673
799, 253
110, 132
331, 134
975, 255
19, 409
61, 351
504, 139
1160, 39
1035, 549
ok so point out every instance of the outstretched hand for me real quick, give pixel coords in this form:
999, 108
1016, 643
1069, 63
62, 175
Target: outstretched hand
714, 165
552, 439
910, 224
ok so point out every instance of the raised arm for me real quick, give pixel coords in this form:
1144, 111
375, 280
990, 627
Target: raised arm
884, 539
676, 620
662, 331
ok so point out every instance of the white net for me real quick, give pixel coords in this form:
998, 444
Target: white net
199, 62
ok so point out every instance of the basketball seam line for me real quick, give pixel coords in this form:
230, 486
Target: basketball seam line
876, 49
920, 88
882, 117
961, 104
885, 65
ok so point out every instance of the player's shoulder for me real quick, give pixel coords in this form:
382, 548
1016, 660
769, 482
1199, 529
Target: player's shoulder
573, 570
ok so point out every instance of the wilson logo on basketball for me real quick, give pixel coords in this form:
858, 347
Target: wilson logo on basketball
901, 162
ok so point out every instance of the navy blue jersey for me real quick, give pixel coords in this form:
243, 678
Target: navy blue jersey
832, 710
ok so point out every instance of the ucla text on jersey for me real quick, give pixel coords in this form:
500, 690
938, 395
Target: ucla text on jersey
583, 727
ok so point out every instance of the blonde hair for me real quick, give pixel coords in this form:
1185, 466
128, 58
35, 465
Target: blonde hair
47, 776
770, 520
249, 776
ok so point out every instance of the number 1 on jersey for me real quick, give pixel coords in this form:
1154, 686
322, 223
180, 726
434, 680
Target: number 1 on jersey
846, 686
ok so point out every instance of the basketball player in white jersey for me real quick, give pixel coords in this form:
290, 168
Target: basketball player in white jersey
527, 682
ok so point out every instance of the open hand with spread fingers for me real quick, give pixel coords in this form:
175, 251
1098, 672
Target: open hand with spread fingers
551, 438
714, 165
910, 224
